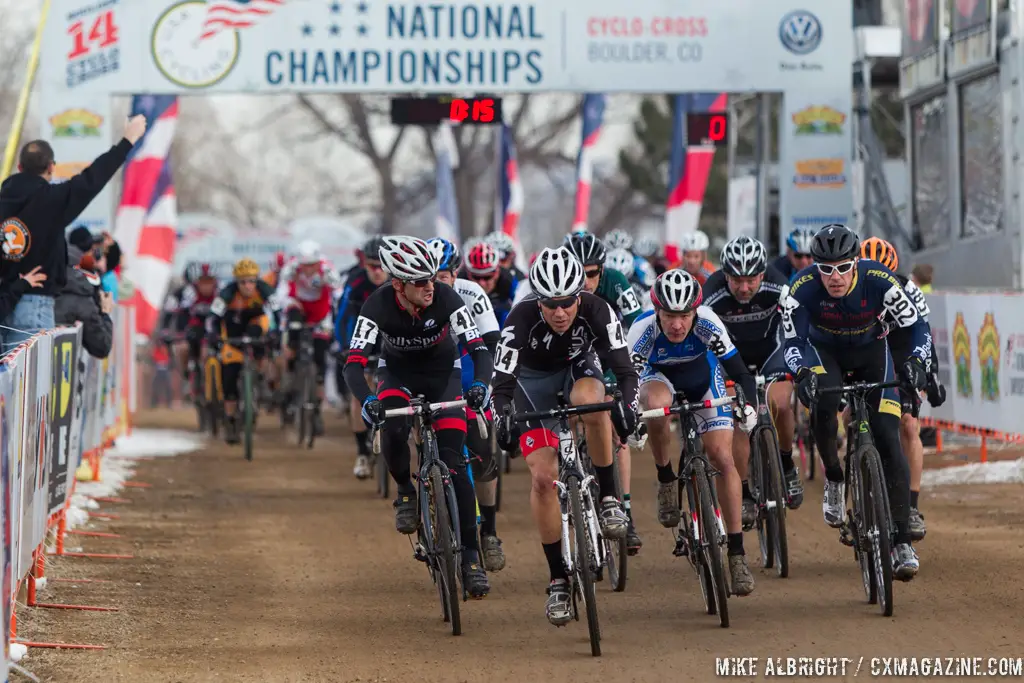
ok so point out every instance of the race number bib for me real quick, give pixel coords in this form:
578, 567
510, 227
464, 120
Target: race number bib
789, 305
628, 303
506, 359
616, 339
898, 307
364, 336
463, 325
916, 297
481, 304
218, 307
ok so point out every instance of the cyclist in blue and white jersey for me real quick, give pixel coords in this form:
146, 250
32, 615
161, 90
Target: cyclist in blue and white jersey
798, 253
835, 320
485, 467
684, 347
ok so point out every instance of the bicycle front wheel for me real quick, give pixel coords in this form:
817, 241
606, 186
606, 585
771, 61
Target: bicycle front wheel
248, 408
380, 466
616, 551
444, 549
878, 525
773, 494
711, 548
581, 564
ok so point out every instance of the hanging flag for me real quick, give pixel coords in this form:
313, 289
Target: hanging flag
233, 15
146, 222
510, 191
689, 168
593, 116
447, 223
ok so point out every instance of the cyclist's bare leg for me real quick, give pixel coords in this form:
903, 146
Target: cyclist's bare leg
780, 395
598, 426
910, 439
659, 433
718, 446
543, 497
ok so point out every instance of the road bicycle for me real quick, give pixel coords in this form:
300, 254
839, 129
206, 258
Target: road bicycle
304, 388
249, 391
437, 539
701, 534
868, 527
581, 548
212, 409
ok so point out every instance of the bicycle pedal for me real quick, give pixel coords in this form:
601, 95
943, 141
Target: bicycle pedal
680, 550
846, 537
419, 553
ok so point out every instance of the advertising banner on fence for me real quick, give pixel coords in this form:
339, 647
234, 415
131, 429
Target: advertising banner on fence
64, 365
814, 166
7, 397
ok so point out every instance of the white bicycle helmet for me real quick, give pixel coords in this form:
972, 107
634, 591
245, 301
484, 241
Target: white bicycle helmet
556, 273
502, 243
800, 240
620, 260
408, 258
618, 239
646, 247
695, 241
307, 253
676, 291
744, 256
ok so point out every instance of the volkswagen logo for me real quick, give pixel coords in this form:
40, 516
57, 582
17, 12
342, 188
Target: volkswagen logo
800, 32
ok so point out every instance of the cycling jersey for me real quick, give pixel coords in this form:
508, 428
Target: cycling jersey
527, 342
479, 305
358, 288
875, 303
613, 287
195, 305
754, 325
900, 338
312, 293
692, 360
236, 311
413, 343
785, 267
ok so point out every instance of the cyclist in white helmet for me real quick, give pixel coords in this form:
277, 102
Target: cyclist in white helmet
798, 253
683, 347
558, 339
618, 239
506, 249
694, 246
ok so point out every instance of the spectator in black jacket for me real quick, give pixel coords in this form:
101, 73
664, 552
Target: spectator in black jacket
82, 301
33, 216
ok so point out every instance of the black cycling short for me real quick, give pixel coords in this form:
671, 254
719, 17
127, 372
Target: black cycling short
537, 390
321, 346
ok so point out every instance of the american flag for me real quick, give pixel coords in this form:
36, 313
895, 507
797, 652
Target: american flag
447, 224
146, 222
510, 192
689, 168
593, 116
235, 14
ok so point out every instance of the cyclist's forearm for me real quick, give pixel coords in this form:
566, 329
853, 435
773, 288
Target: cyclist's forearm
355, 377
483, 365
737, 370
491, 340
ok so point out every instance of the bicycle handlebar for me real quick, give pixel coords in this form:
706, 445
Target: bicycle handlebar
686, 407
244, 341
564, 411
416, 407
859, 387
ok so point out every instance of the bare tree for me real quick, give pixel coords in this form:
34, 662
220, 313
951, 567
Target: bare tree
18, 35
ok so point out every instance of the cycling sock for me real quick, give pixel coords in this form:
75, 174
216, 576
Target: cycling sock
665, 474
361, 448
736, 544
403, 481
746, 490
913, 498
488, 520
626, 505
553, 553
787, 460
605, 480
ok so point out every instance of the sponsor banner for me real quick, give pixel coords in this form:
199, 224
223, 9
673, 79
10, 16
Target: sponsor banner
185, 46
7, 451
815, 166
742, 218
78, 126
64, 364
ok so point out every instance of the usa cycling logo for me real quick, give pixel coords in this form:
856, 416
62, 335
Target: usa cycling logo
800, 32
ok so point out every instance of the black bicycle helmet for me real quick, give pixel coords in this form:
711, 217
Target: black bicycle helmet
587, 248
835, 242
371, 249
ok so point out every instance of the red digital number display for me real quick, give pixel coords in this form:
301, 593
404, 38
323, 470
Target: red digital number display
477, 110
711, 130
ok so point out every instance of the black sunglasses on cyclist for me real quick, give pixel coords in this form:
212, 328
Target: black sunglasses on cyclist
420, 284
482, 278
592, 273
843, 268
552, 304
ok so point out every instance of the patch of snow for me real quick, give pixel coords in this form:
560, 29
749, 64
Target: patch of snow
153, 443
1002, 472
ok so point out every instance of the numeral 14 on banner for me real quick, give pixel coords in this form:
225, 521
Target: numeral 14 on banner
103, 33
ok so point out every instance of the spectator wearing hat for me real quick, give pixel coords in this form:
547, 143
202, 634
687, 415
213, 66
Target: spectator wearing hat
82, 301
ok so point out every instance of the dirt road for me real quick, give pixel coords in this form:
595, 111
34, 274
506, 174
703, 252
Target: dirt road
287, 569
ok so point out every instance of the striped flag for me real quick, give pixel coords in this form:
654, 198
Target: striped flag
593, 116
146, 222
447, 223
510, 191
689, 167
222, 15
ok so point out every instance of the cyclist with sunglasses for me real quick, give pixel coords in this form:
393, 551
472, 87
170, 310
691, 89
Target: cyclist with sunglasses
482, 266
240, 310
900, 347
417, 323
556, 341
798, 253
483, 462
363, 280
835, 319
306, 292
745, 294
683, 347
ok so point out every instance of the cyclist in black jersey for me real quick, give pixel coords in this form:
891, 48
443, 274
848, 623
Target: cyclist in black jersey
417, 323
798, 253
835, 319
554, 341
746, 294
900, 347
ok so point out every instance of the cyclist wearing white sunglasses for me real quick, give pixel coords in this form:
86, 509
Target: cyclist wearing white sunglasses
835, 320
